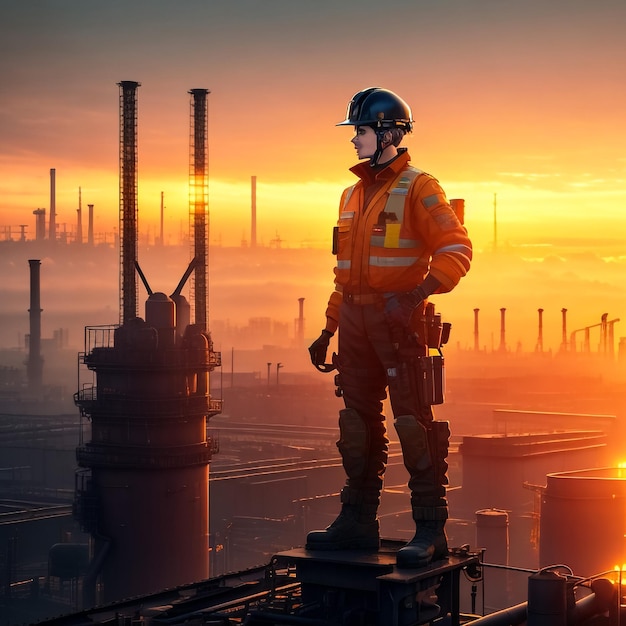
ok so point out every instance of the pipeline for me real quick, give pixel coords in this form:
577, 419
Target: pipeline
596, 603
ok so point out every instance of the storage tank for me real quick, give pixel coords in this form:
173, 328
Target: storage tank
583, 520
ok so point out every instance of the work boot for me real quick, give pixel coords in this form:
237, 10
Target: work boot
429, 544
425, 448
356, 527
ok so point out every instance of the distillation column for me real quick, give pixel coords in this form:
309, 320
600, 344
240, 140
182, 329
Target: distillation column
142, 486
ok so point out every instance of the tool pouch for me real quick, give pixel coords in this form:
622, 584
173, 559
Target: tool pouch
430, 375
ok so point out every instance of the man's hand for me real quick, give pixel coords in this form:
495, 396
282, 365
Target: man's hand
319, 347
399, 307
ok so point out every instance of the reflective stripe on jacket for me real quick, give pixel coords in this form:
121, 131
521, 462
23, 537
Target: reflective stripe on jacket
406, 230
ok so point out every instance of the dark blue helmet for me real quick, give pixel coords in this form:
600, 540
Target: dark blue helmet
379, 108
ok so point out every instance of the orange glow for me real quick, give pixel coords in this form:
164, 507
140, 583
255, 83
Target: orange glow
516, 106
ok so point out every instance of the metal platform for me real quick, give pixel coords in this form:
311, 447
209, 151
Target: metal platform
346, 587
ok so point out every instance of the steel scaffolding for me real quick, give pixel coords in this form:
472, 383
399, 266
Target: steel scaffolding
128, 200
199, 202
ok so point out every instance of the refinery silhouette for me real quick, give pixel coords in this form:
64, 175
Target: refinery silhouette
165, 466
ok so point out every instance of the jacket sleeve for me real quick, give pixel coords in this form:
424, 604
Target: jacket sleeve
334, 302
444, 236
332, 312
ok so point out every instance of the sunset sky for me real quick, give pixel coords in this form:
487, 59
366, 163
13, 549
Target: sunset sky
521, 101
519, 109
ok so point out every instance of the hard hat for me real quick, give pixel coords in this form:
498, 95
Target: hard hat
379, 108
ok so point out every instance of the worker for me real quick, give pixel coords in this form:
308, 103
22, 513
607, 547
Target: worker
397, 241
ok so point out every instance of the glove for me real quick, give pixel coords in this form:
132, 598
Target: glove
399, 307
319, 347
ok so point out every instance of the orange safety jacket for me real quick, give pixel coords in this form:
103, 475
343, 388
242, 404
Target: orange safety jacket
407, 230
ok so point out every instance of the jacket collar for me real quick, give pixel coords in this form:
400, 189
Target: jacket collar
370, 174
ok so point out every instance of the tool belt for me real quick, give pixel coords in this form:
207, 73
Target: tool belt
423, 372
362, 299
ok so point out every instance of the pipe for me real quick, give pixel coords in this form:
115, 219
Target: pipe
144, 280
185, 276
511, 616
596, 603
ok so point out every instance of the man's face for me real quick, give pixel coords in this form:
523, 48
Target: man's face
364, 141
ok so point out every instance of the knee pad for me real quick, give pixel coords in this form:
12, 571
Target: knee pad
414, 441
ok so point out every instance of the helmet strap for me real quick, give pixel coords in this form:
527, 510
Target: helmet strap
380, 133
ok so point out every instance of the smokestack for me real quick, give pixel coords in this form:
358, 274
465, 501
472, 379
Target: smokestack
40, 224
564, 330
502, 331
161, 236
495, 222
79, 220
476, 342
90, 225
253, 217
300, 323
128, 199
34, 365
199, 201
540, 334
53, 209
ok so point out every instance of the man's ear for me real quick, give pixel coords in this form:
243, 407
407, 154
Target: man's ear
388, 137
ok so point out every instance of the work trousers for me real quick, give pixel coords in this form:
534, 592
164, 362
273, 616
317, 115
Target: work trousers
369, 366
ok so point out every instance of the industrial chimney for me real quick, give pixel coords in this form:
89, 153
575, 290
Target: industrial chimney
161, 231
476, 340
34, 365
53, 211
253, 211
502, 330
300, 323
199, 200
79, 220
128, 199
540, 331
40, 224
90, 225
